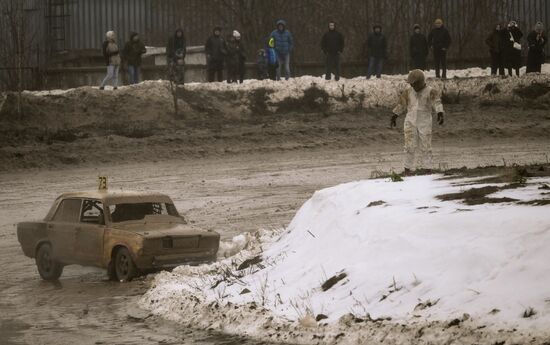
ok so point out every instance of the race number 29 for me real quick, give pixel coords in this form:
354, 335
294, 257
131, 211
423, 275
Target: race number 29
102, 182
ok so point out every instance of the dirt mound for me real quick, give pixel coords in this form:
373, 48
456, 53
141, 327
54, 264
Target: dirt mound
532, 91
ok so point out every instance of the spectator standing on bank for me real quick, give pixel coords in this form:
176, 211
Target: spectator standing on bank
175, 54
418, 48
112, 59
133, 50
495, 41
272, 60
536, 41
512, 48
235, 59
284, 43
261, 64
216, 49
332, 44
376, 51
439, 40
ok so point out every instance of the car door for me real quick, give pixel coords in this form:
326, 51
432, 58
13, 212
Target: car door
62, 230
89, 234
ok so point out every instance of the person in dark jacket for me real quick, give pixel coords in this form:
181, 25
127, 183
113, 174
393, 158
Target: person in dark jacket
112, 59
332, 45
439, 40
133, 50
536, 40
261, 64
512, 47
418, 49
175, 55
496, 44
284, 43
235, 58
376, 51
216, 49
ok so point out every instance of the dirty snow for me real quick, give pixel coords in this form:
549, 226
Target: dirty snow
356, 92
407, 256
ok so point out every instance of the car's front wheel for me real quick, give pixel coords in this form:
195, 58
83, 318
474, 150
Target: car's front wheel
48, 268
125, 269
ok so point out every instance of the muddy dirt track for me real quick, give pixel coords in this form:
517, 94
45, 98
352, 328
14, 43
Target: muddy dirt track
230, 195
231, 176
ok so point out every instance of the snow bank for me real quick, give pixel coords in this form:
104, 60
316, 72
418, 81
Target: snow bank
402, 255
344, 95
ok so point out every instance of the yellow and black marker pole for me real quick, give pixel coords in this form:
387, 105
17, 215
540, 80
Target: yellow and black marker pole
102, 183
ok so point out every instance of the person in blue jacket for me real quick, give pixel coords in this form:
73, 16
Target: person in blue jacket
272, 61
283, 46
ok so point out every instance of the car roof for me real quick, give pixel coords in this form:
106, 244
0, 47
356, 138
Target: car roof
113, 197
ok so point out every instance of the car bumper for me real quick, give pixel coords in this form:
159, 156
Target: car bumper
165, 261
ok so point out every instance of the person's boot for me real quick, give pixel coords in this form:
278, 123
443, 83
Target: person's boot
102, 87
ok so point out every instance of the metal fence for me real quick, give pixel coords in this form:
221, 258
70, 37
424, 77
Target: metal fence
88, 20
79, 25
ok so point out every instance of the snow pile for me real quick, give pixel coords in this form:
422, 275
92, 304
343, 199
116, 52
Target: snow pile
359, 93
314, 93
380, 250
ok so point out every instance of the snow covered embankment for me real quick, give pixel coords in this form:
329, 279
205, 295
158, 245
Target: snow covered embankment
380, 250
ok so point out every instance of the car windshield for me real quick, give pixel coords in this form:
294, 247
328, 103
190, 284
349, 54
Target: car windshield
137, 211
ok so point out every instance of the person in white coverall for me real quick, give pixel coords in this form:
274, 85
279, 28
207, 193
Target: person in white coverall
418, 101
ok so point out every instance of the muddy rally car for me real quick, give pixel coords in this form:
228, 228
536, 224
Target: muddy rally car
128, 233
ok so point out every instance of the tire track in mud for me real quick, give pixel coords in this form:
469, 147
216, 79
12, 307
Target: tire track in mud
230, 195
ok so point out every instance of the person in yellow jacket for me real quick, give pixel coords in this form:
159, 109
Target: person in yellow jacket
418, 101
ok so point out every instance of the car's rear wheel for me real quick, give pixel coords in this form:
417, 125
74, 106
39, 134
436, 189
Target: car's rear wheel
125, 268
48, 268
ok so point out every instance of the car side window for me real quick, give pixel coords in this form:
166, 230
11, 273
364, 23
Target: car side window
68, 211
92, 212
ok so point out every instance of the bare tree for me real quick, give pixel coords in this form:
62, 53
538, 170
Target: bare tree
17, 41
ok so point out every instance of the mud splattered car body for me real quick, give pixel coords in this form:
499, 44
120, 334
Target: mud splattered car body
126, 232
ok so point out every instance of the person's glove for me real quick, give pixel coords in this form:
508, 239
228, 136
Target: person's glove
393, 121
440, 118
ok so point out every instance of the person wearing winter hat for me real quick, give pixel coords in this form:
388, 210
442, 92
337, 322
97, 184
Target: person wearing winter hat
176, 50
375, 50
536, 40
235, 58
332, 44
133, 50
439, 41
272, 59
512, 47
418, 48
418, 101
112, 59
284, 45
495, 41
216, 50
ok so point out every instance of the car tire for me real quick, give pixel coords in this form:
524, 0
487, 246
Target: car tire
125, 269
48, 268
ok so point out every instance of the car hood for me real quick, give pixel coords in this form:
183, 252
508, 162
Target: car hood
157, 229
